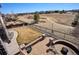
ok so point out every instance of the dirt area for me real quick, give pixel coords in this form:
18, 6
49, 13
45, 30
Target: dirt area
26, 34
26, 18
65, 19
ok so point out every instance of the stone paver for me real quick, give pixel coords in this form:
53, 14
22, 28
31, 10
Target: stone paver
39, 48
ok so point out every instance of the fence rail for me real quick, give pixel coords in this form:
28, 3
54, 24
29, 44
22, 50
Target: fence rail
64, 36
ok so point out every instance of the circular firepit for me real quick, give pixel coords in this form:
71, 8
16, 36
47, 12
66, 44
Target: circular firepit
64, 47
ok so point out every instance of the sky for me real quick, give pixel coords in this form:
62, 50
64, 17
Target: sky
32, 7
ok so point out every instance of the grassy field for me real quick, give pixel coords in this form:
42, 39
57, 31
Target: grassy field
26, 35
65, 19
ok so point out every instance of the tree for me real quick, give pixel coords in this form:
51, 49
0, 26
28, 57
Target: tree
63, 11
56, 11
36, 17
75, 20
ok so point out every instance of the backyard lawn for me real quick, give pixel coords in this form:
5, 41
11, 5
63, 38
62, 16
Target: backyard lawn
26, 34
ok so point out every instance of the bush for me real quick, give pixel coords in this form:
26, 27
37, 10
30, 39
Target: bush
75, 20
63, 11
56, 11
36, 17
74, 23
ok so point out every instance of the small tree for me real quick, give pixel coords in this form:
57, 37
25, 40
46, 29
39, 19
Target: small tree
75, 20
36, 17
63, 11
56, 11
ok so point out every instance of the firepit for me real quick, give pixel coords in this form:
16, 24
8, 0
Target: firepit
64, 47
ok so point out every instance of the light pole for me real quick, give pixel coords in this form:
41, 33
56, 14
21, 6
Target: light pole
4, 35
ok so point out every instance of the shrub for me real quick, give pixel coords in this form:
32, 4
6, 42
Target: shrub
36, 17
75, 20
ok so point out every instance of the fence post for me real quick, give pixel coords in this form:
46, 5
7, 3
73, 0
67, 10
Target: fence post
52, 28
